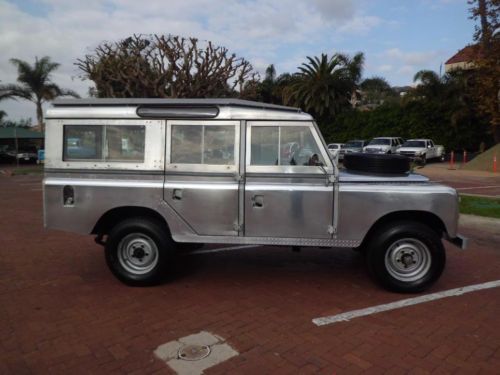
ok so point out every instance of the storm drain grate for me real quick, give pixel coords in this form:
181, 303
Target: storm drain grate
194, 352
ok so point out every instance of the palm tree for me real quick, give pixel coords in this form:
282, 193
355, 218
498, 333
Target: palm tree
325, 85
35, 84
431, 84
2, 115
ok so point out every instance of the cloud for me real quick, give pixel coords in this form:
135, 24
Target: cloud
360, 24
411, 58
263, 31
385, 68
335, 9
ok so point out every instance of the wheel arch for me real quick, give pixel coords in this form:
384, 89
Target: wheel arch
429, 219
117, 214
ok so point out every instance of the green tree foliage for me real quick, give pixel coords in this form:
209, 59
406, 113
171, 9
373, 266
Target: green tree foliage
161, 66
376, 91
440, 108
325, 86
34, 84
487, 61
22, 123
271, 89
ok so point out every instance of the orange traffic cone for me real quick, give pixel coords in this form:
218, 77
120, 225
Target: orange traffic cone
452, 160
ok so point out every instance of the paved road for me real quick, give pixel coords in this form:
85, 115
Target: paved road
466, 182
61, 310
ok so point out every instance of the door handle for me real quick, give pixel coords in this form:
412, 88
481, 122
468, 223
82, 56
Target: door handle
177, 194
258, 201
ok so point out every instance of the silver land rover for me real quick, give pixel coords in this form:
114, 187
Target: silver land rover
147, 176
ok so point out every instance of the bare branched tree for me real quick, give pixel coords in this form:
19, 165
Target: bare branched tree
165, 66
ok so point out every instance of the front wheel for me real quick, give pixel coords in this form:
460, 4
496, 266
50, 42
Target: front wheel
406, 257
138, 251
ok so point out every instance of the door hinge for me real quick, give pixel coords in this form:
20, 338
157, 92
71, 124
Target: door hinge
331, 230
237, 227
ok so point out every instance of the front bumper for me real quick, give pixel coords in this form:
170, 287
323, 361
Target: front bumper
460, 241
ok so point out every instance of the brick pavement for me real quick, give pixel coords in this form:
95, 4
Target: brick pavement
465, 181
61, 310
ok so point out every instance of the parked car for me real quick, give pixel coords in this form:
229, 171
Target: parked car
355, 145
5, 155
23, 155
143, 203
336, 149
383, 145
422, 150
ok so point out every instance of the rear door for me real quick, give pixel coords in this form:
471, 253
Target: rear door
287, 195
201, 174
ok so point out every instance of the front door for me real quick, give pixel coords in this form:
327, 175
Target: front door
202, 165
287, 191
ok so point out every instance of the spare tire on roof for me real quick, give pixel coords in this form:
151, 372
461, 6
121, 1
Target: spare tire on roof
377, 163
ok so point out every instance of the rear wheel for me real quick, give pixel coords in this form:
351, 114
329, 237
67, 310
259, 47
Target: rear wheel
138, 251
406, 257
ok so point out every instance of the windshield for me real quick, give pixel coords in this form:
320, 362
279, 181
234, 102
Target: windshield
414, 144
354, 144
380, 141
331, 147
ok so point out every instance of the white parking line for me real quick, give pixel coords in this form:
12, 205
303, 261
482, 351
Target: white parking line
222, 249
403, 303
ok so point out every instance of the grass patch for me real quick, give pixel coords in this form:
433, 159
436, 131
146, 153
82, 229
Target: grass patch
480, 206
35, 169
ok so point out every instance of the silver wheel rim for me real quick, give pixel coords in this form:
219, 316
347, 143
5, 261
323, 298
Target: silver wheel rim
408, 260
137, 253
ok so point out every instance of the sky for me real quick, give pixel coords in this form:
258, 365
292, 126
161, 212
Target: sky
398, 37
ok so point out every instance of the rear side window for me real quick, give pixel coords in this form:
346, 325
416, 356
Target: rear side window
104, 143
125, 143
203, 144
83, 142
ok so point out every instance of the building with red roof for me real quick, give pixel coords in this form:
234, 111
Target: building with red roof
463, 59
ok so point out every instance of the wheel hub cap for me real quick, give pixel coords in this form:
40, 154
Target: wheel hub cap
408, 259
137, 253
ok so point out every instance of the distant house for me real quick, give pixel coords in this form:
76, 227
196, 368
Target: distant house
463, 59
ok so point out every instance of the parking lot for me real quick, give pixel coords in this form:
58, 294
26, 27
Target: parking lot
62, 311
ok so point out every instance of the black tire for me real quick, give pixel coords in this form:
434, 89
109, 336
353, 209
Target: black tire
138, 251
377, 163
420, 252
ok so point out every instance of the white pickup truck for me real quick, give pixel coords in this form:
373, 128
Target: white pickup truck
421, 150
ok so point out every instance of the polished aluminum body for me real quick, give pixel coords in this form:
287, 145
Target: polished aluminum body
231, 201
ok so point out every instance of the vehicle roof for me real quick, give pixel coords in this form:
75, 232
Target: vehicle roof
418, 139
386, 137
227, 108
